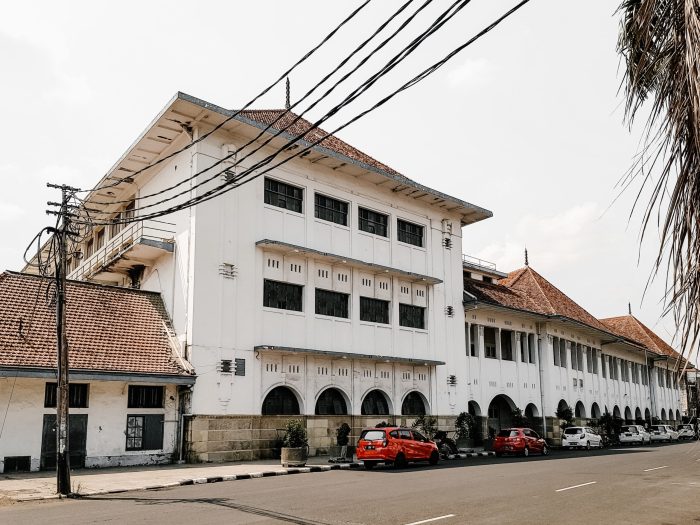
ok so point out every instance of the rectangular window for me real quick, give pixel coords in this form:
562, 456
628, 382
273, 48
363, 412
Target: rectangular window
532, 347
373, 222
562, 352
283, 195
506, 345
409, 233
490, 342
77, 395
100, 237
589, 359
555, 351
523, 347
474, 340
284, 296
374, 310
144, 432
411, 316
141, 396
579, 357
573, 356
331, 303
332, 210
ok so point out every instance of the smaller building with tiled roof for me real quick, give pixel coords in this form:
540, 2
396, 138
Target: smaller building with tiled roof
127, 374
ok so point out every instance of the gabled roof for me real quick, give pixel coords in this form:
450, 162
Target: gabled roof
110, 329
525, 289
632, 328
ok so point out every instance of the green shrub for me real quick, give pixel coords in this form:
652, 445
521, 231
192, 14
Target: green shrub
567, 416
519, 420
465, 426
427, 425
295, 434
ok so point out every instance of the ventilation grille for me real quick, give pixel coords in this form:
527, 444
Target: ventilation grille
228, 270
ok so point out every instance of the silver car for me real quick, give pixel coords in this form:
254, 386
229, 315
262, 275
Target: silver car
580, 437
686, 432
663, 433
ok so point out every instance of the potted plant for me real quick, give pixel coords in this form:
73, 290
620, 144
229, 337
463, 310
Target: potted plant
428, 425
295, 446
341, 451
465, 430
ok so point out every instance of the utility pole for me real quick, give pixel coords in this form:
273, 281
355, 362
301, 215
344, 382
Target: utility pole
62, 391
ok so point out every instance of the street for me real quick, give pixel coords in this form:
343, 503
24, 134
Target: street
657, 484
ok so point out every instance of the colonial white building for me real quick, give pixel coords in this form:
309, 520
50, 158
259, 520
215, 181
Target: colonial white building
126, 376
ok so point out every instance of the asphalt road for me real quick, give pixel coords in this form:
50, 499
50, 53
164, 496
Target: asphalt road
650, 485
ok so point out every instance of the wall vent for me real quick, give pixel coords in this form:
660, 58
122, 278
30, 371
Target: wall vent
239, 367
228, 270
450, 311
447, 243
225, 366
452, 380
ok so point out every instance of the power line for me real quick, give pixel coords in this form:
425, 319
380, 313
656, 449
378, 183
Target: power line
252, 101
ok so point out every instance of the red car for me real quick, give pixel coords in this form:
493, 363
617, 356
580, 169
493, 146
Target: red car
521, 441
395, 445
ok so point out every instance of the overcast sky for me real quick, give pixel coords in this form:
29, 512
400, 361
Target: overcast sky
527, 122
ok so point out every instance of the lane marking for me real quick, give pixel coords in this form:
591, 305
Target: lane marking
576, 486
655, 468
432, 519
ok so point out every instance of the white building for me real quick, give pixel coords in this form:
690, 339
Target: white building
530, 346
126, 376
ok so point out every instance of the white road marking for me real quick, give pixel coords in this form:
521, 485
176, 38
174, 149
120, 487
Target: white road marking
655, 468
576, 486
432, 519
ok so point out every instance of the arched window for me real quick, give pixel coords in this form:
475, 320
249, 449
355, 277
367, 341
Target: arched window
331, 403
580, 410
375, 404
280, 401
413, 405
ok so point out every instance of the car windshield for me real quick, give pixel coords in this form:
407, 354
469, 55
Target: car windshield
658, 428
507, 433
372, 435
573, 430
632, 430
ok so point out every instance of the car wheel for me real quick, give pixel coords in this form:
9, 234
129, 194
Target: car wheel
369, 465
588, 445
545, 450
499, 454
400, 461
434, 458
526, 452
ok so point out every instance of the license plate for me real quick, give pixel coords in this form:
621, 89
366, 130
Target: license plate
628, 435
369, 447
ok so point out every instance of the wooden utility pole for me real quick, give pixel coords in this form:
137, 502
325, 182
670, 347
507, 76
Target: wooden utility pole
62, 391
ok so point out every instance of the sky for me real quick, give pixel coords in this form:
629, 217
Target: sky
527, 122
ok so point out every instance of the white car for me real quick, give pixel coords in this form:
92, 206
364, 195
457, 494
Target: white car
634, 435
686, 432
580, 437
663, 433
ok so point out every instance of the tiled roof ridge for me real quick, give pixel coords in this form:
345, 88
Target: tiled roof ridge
520, 273
659, 344
74, 282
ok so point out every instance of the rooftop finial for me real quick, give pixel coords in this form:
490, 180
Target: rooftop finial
288, 104
527, 263
629, 308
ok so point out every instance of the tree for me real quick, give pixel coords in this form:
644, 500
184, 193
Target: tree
660, 44
564, 413
519, 420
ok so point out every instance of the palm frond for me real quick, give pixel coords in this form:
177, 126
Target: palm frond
660, 45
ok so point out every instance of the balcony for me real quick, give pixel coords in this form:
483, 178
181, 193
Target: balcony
138, 244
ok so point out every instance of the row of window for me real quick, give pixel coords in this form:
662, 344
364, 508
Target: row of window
327, 208
528, 346
139, 396
286, 296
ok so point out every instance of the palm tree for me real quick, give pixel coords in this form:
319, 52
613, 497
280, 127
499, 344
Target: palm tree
660, 45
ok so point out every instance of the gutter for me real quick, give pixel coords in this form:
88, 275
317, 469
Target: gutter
97, 375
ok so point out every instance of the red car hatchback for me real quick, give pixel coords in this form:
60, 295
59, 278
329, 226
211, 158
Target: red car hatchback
521, 441
395, 445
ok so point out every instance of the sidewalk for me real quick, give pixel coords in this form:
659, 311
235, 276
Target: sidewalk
89, 482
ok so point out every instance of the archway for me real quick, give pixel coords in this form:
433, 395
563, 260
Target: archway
663, 415
638, 416
670, 415
531, 412
628, 415
595, 411
579, 410
678, 416
414, 404
616, 412
375, 403
331, 402
501, 412
647, 414
563, 405
281, 401
474, 409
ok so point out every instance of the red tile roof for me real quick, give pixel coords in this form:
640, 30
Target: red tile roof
632, 328
110, 329
525, 289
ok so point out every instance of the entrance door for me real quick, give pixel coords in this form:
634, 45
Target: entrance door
77, 438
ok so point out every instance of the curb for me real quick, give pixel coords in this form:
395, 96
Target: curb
235, 477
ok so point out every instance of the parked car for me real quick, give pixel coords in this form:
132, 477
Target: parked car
521, 441
686, 432
634, 435
580, 437
663, 433
395, 445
